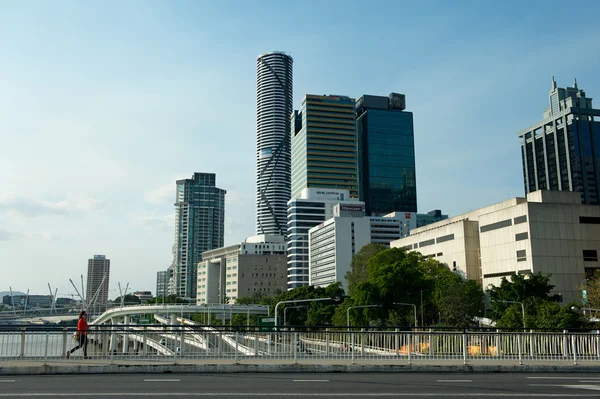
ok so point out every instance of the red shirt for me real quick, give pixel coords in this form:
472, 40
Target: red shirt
82, 326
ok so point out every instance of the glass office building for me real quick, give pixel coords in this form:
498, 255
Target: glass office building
562, 152
324, 151
386, 155
199, 227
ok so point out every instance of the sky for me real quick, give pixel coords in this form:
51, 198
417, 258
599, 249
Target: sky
104, 105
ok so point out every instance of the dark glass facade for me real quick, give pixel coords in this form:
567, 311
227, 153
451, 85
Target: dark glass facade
387, 180
562, 152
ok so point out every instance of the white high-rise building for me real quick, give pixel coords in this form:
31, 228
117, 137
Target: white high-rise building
312, 207
274, 106
98, 274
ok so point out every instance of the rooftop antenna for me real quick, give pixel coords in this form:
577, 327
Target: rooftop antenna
52, 299
26, 300
575, 83
553, 83
78, 293
123, 294
12, 299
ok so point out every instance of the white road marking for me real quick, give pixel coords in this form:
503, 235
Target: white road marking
454, 380
590, 387
295, 394
8, 380
161, 380
310, 380
564, 378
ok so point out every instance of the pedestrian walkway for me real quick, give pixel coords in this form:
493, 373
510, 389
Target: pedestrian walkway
118, 366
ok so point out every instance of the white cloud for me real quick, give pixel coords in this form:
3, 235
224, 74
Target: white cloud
161, 195
153, 222
26, 206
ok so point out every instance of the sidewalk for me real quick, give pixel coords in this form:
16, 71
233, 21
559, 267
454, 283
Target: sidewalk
76, 366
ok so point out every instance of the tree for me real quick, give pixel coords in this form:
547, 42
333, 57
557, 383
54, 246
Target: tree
128, 300
358, 267
530, 289
592, 288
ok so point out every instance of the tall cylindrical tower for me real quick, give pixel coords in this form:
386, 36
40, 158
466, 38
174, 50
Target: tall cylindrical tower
274, 105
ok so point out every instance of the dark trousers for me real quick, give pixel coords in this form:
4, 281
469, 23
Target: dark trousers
82, 344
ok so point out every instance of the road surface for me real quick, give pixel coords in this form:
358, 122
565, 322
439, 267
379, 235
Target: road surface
285, 385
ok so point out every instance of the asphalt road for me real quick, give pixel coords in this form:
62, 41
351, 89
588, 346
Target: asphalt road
401, 385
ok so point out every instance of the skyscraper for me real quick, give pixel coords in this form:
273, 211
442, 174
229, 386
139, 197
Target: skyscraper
162, 283
274, 105
324, 147
562, 152
98, 274
199, 227
386, 149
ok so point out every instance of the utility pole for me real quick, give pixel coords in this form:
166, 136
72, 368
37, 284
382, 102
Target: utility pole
422, 323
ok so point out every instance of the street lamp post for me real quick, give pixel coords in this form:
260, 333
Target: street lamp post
297, 301
517, 303
291, 307
414, 308
356, 307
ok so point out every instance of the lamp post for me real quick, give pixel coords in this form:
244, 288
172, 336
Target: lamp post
291, 307
297, 301
356, 307
518, 303
414, 308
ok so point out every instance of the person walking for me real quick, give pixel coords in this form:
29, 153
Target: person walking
81, 334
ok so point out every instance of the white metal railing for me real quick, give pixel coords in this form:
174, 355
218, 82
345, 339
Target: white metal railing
195, 342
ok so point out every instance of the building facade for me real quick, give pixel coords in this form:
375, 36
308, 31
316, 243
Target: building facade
333, 243
423, 219
162, 283
274, 105
199, 227
562, 152
386, 154
98, 277
143, 295
324, 146
312, 207
548, 232
258, 265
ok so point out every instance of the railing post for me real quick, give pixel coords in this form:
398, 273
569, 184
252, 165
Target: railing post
256, 342
520, 349
397, 342
430, 344
464, 346
182, 337
598, 344
565, 344
295, 347
362, 342
145, 341
46, 348
409, 336
23, 331
327, 341
64, 341
531, 344
352, 348
574, 347
236, 346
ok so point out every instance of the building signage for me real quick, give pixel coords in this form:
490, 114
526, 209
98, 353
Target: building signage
328, 192
351, 208
407, 215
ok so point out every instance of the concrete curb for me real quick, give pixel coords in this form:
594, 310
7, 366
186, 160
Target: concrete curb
288, 368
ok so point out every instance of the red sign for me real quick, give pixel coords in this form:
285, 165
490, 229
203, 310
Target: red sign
407, 215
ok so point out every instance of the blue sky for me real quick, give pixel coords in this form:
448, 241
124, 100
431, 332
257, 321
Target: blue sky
104, 105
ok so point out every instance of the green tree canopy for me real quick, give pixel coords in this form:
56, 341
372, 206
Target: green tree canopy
358, 267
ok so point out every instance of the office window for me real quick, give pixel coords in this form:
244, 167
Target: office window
590, 255
448, 237
521, 236
495, 226
521, 255
426, 243
520, 219
589, 220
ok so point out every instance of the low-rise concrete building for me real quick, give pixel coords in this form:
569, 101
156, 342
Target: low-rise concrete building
258, 264
548, 232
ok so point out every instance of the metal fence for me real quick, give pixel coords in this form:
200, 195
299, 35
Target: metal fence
204, 343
